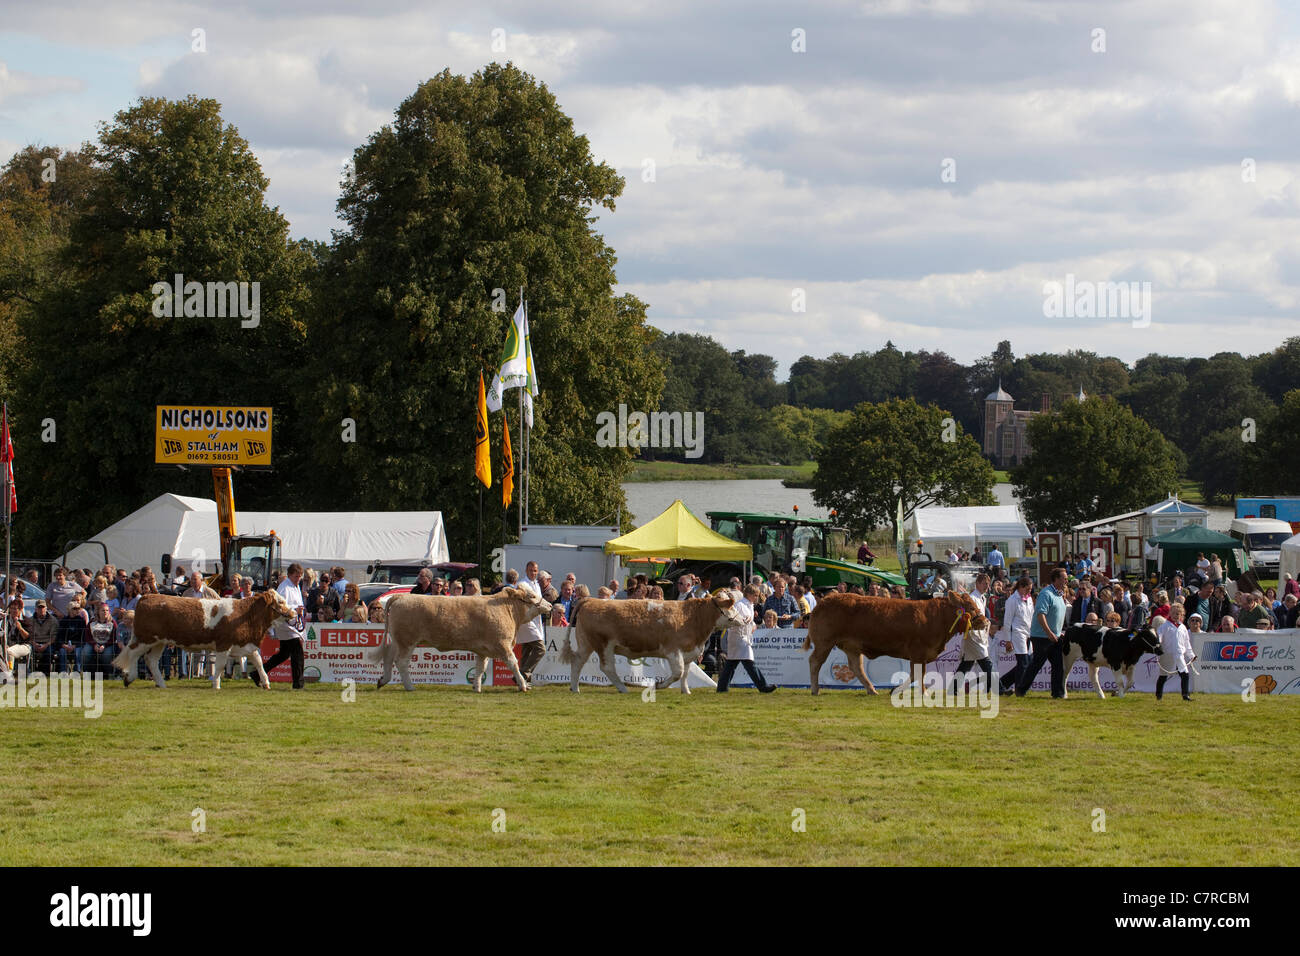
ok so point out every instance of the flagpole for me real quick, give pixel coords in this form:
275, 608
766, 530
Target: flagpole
520, 503
528, 435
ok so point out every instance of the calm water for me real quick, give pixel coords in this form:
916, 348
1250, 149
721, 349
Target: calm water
646, 499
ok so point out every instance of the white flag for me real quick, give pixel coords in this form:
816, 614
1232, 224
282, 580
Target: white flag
530, 391
513, 372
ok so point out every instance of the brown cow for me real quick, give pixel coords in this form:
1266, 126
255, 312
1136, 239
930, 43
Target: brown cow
887, 627
675, 630
485, 626
201, 624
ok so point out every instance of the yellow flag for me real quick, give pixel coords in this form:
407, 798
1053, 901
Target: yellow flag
508, 479
482, 460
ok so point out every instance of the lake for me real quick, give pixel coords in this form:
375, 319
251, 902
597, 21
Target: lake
646, 499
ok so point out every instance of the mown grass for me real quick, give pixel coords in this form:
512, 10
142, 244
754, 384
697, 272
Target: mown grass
395, 778
687, 471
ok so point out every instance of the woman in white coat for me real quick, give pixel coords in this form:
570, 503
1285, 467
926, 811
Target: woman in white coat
739, 649
1017, 619
1175, 652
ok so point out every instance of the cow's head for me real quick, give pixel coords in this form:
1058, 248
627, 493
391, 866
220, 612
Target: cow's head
965, 605
531, 600
1148, 640
728, 614
273, 600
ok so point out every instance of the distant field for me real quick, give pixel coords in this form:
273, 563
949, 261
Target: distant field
681, 471
394, 778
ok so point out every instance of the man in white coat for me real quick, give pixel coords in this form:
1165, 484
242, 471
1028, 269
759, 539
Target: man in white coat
1017, 619
740, 651
1176, 652
975, 643
289, 632
531, 637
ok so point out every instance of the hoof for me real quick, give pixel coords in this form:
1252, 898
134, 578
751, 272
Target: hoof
126, 680
380, 683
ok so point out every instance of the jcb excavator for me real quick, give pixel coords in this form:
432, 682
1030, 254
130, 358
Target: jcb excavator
254, 556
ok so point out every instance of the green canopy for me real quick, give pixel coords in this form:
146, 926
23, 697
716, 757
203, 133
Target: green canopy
1181, 547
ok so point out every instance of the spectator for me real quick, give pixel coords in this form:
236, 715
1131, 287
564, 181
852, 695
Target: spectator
439, 584
787, 611
351, 598
423, 582
655, 593
558, 616
375, 612
512, 578
1083, 604
684, 585
1290, 586
1253, 615
473, 588
339, 581
604, 594
801, 602
1161, 608
359, 614
769, 620
456, 588
34, 577
71, 633
1228, 624
245, 589
809, 594
61, 593
1104, 598
1194, 623
101, 643
16, 625
740, 650
567, 595
1290, 613
1216, 569
866, 555
317, 595
43, 630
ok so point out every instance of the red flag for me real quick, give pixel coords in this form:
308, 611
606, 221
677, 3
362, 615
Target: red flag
7, 456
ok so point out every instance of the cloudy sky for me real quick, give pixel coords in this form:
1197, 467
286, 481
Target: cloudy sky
1151, 141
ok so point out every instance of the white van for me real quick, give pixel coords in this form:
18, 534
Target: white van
1261, 539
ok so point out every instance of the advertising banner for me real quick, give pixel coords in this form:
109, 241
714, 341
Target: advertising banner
1265, 661
212, 435
635, 673
338, 652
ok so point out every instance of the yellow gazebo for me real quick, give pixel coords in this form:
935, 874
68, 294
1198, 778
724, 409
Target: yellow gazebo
678, 534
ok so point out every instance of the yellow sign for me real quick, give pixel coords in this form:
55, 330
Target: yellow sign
213, 435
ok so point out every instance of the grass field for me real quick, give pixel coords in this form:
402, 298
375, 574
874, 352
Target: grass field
397, 778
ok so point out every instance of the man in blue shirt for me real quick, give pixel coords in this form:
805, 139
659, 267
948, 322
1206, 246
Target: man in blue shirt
1045, 636
995, 558
787, 611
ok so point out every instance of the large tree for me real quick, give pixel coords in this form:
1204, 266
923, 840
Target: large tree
174, 189
898, 450
479, 187
1091, 459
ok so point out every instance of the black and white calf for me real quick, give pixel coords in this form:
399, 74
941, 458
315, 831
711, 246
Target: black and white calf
1119, 648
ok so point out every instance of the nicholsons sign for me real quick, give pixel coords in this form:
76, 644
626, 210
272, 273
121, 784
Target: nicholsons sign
213, 435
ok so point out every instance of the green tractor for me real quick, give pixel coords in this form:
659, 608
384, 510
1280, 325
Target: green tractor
787, 543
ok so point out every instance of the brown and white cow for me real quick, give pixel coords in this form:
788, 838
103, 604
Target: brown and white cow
886, 627
485, 626
675, 630
201, 624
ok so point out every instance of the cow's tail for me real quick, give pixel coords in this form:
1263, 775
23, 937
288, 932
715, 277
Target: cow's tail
566, 652
123, 659
807, 640
376, 654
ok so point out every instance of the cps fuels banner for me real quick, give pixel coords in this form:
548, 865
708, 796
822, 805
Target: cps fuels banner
1265, 661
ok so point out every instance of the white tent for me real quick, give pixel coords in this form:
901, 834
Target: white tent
186, 528
963, 528
143, 536
1290, 563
